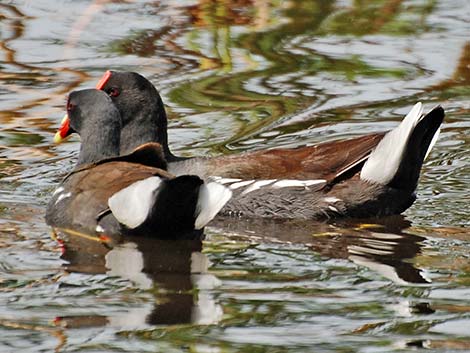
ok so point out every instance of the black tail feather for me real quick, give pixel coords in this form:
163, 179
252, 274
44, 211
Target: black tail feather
179, 197
410, 167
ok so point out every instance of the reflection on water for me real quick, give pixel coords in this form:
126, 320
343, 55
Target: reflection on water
238, 75
385, 249
383, 246
174, 271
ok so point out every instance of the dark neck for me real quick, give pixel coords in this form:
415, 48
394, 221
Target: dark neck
148, 125
98, 145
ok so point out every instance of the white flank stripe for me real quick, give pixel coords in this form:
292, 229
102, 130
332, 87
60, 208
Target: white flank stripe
132, 205
385, 159
292, 182
240, 184
258, 185
212, 197
314, 182
287, 183
62, 196
331, 199
58, 190
225, 180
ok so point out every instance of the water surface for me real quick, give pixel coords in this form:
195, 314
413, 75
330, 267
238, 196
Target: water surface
237, 76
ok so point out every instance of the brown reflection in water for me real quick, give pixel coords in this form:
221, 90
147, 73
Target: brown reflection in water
461, 76
448, 344
223, 12
213, 17
25, 82
171, 270
389, 10
57, 333
21, 81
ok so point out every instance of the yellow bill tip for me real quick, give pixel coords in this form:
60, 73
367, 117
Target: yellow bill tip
64, 130
58, 138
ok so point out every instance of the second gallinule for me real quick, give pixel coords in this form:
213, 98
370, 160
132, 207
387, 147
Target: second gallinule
372, 175
125, 194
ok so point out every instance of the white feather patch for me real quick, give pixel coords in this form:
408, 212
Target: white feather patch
433, 142
314, 182
62, 197
258, 185
212, 197
241, 184
132, 204
58, 190
293, 182
385, 159
226, 180
331, 199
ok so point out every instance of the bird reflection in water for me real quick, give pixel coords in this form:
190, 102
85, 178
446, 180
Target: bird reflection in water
383, 247
172, 270
179, 267
380, 244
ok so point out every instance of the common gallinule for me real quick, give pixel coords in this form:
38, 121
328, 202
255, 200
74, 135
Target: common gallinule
130, 193
366, 176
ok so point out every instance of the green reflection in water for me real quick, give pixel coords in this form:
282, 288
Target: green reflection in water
20, 138
262, 39
392, 17
228, 91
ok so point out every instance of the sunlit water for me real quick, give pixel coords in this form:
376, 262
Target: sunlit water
239, 75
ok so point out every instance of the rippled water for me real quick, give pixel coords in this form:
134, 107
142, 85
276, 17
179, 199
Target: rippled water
239, 75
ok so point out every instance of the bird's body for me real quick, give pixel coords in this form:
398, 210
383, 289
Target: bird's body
372, 175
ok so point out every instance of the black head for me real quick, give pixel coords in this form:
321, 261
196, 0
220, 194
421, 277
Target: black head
95, 118
140, 105
130, 92
91, 109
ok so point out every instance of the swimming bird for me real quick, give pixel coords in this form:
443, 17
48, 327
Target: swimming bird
371, 175
126, 194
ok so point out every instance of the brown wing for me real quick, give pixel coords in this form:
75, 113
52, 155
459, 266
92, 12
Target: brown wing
86, 192
328, 161
149, 154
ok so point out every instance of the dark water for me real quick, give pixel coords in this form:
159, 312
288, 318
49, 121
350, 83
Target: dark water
239, 75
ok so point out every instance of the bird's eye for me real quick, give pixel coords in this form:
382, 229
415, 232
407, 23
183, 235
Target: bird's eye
113, 92
70, 106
